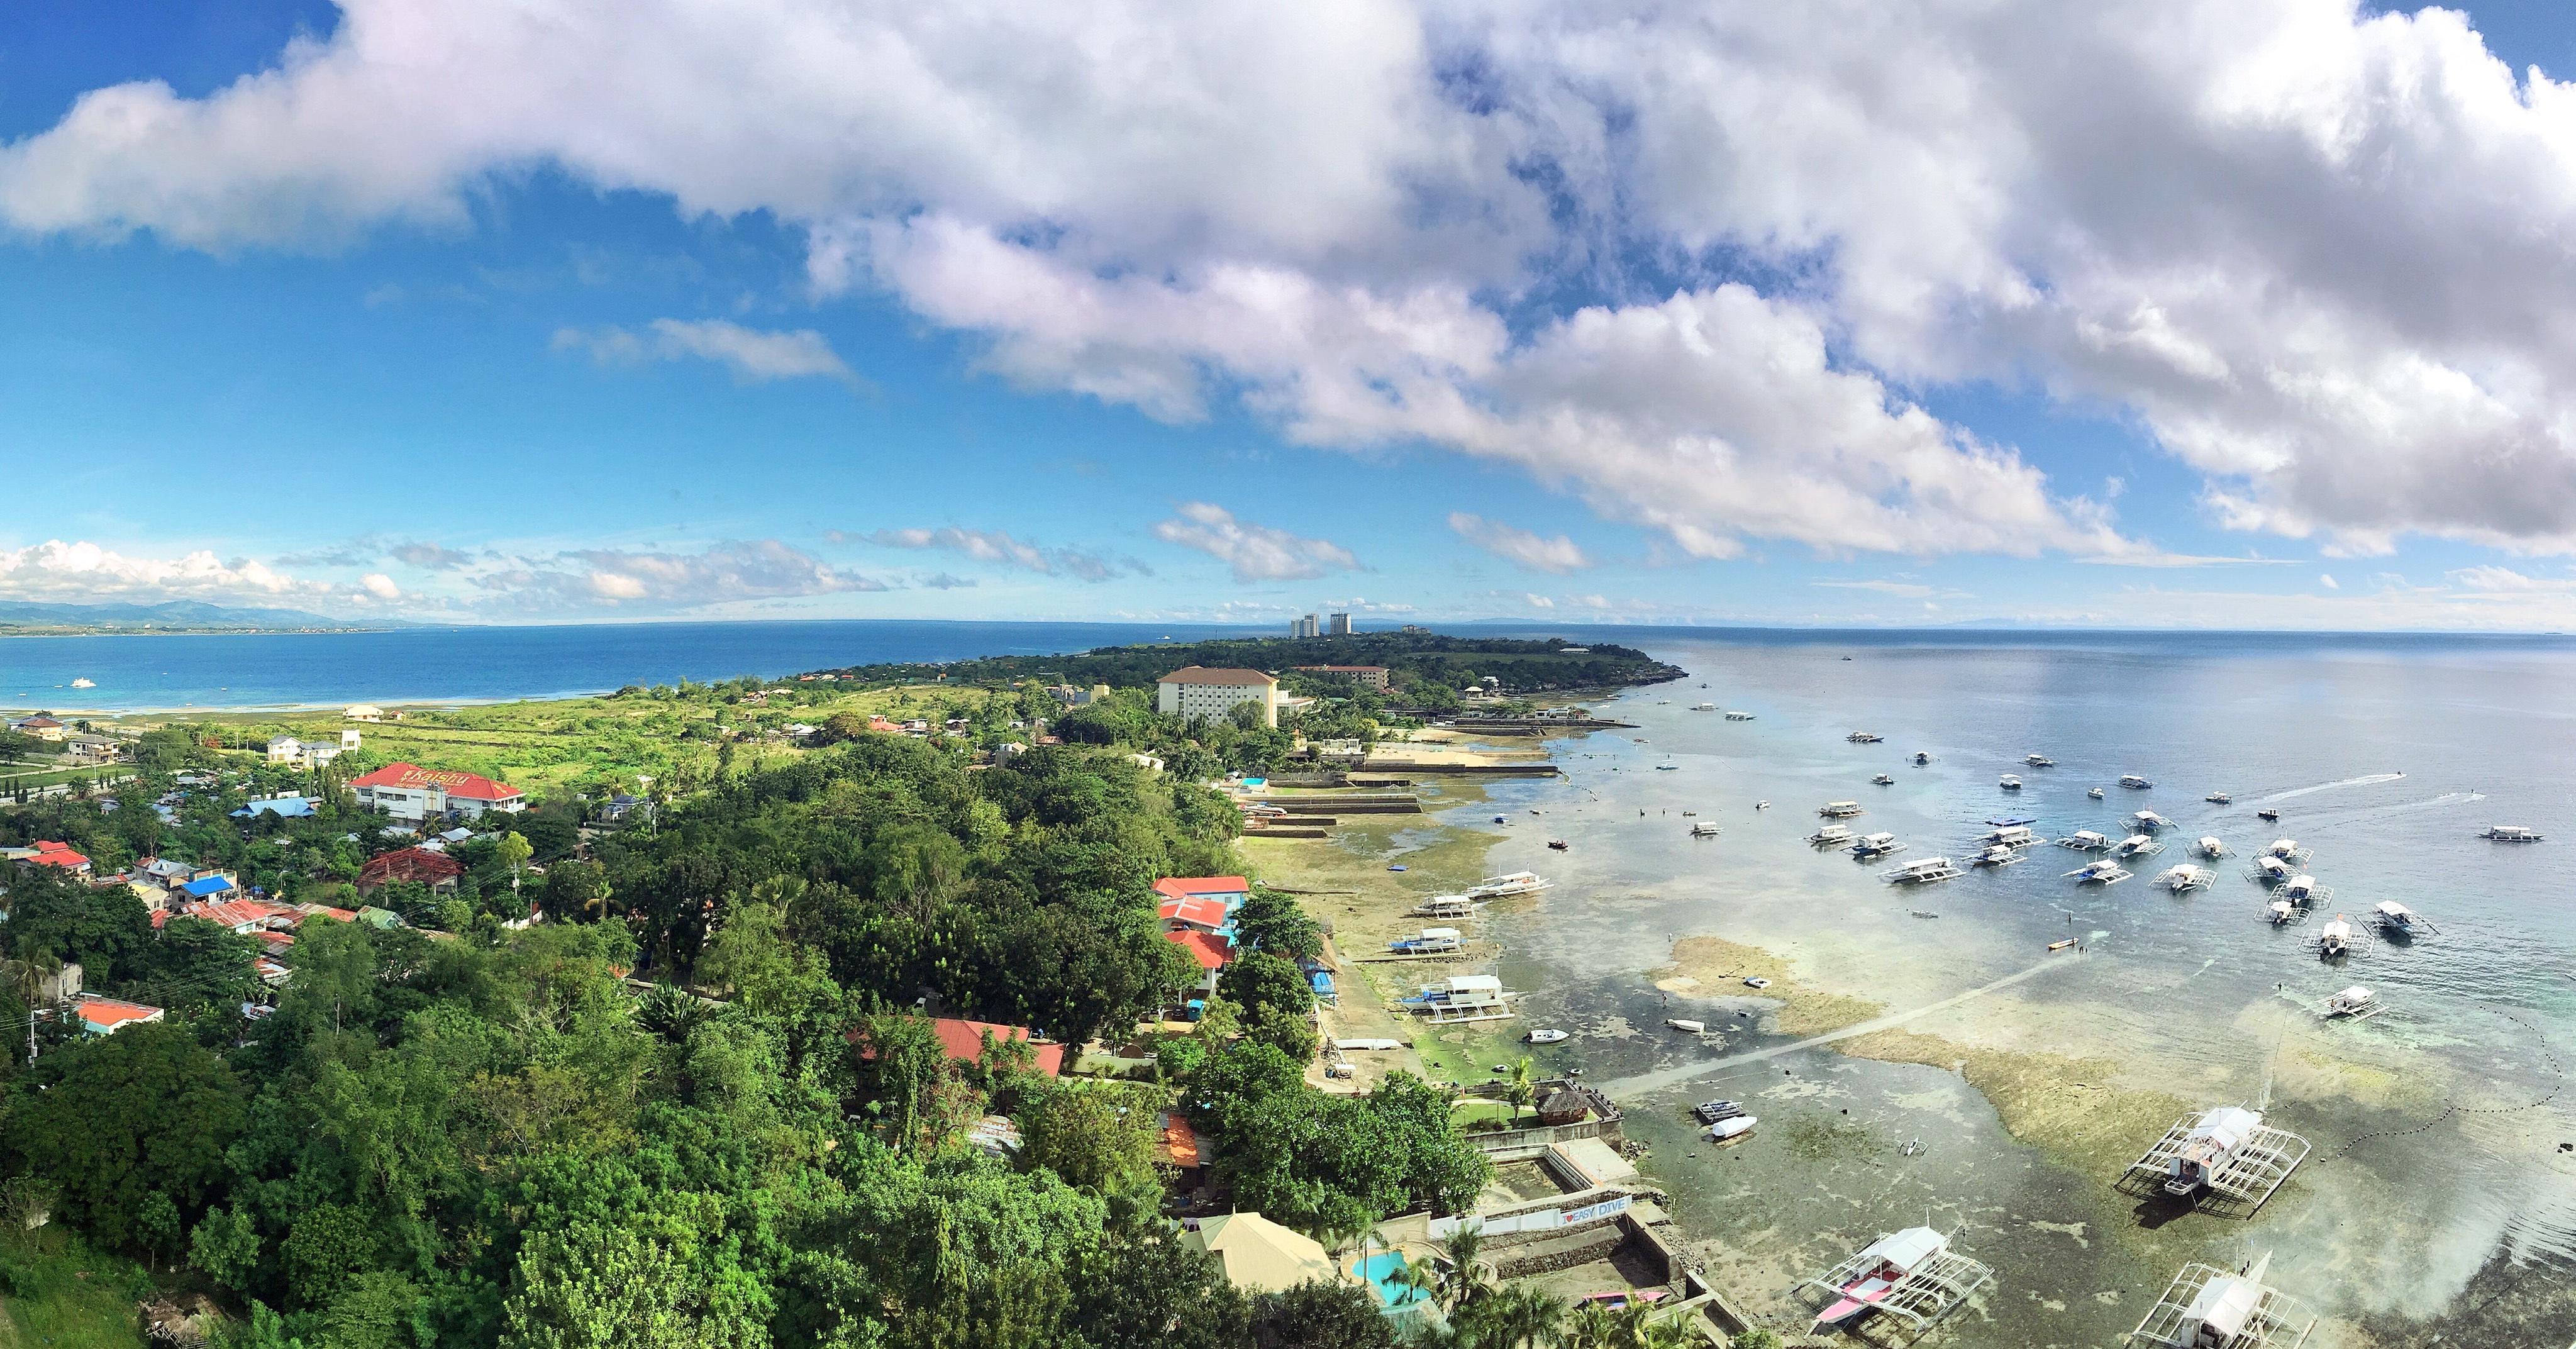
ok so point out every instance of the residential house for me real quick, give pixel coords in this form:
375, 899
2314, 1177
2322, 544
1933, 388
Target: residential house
1212, 952
1200, 691
83, 750
107, 1016
1258, 1255
283, 807
40, 726
368, 712
964, 1041
411, 792
290, 752
48, 853
436, 870
206, 886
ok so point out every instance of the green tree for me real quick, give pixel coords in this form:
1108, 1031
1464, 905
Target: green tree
605, 1286
576, 891
1520, 1085
1319, 1315
122, 1118
513, 851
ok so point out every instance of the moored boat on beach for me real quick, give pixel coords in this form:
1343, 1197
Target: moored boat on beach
1911, 1275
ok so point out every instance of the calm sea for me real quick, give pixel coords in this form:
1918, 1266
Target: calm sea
2437, 1126
135, 673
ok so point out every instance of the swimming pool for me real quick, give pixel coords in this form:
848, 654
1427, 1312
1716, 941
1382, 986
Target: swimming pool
1385, 1272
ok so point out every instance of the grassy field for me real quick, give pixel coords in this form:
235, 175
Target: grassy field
547, 746
62, 1294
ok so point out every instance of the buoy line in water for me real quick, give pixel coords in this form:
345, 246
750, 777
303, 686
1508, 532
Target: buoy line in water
2557, 1070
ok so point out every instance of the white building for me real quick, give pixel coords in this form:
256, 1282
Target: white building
1304, 626
1340, 626
410, 792
1198, 691
289, 751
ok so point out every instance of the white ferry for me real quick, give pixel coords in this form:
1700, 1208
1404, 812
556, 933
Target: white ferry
1831, 836
2009, 783
1839, 810
2511, 833
2134, 783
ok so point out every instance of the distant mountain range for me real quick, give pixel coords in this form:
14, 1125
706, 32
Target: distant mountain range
171, 616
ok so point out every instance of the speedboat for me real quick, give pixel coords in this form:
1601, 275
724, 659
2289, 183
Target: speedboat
1558, 844
1883, 780
1996, 855
2094, 792
1921, 758
2134, 782
1730, 1128
1864, 738
2009, 783
2039, 761
1546, 1037
2218, 798
1685, 1025
2267, 814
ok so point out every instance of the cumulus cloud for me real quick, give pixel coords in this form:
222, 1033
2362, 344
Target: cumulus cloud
1255, 552
754, 355
381, 586
2314, 250
997, 546
1559, 555
610, 578
55, 570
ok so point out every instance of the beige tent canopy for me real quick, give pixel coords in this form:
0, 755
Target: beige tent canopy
1259, 1255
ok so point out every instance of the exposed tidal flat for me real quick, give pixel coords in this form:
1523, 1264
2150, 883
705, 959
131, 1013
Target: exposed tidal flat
2436, 1205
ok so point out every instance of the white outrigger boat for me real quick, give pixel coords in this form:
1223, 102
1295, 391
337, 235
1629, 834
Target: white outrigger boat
1840, 810
2009, 783
2094, 792
1445, 906
2184, 877
2335, 940
2227, 1152
2396, 920
1882, 780
2149, 822
1739, 716
2011, 836
2100, 871
2137, 845
2288, 850
1864, 738
2219, 799
2356, 1002
2210, 847
1507, 885
1923, 871
2038, 761
2510, 833
1996, 855
1463, 997
1546, 1037
2283, 913
1911, 1275
2210, 1308
1705, 707
1870, 847
2134, 782
2269, 870
1429, 941
2303, 890
1704, 829
1832, 836
2085, 840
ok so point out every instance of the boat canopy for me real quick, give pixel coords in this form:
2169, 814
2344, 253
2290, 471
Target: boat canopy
2391, 908
2353, 996
1474, 983
2007, 821
2283, 847
2223, 1309
1906, 1249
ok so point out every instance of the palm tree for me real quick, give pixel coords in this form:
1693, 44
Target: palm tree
1592, 1326
1639, 1329
1521, 1087
1468, 1278
1525, 1314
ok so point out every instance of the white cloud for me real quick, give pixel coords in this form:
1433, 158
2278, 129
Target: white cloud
1911, 590
754, 355
1559, 555
2316, 251
997, 546
658, 581
59, 571
381, 586
2328, 581
1255, 552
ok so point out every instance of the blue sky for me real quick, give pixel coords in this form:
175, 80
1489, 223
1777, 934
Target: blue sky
578, 362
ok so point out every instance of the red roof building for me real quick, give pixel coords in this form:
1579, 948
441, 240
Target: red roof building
436, 870
1203, 915
107, 1016
964, 1041
49, 853
1234, 888
1210, 950
242, 915
410, 792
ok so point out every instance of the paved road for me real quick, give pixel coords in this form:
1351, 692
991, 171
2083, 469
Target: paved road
1665, 1077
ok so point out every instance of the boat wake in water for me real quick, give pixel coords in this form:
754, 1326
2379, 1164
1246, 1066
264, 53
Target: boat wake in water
2363, 781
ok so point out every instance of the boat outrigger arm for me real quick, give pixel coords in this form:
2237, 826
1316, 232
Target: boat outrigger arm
1928, 1292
